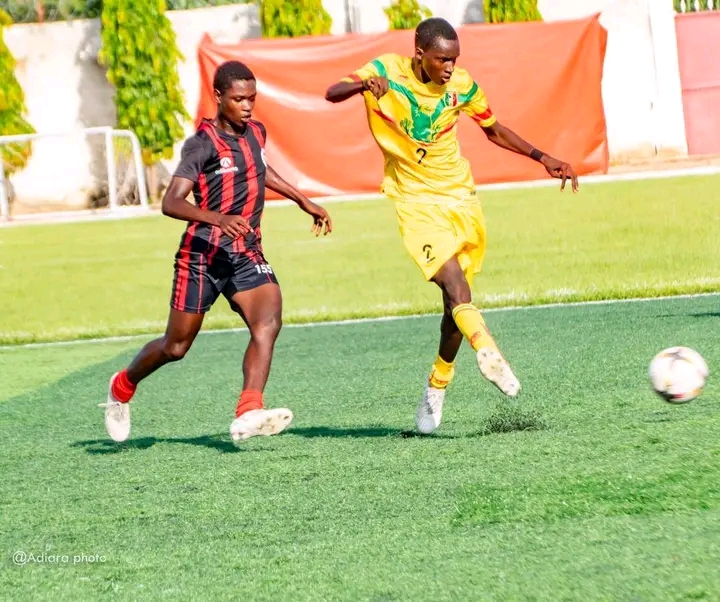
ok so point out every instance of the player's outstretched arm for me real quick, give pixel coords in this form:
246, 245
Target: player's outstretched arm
344, 90
504, 137
321, 219
175, 205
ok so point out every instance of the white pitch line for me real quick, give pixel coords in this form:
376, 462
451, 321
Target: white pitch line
353, 321
91, 215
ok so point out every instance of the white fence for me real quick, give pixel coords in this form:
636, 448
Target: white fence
109, 135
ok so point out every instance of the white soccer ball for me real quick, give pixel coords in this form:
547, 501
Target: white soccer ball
678, 374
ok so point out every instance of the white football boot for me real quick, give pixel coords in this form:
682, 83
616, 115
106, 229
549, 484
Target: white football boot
495, 368
429, 413
117, 416
260, 422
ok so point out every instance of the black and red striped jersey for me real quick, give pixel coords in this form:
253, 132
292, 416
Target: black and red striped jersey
229, 176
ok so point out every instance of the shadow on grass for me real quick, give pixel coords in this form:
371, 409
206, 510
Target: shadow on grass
313, 432
221, 443
699, 314
217, 442
504, 420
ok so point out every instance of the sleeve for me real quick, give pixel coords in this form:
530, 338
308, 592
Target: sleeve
475, 104
374, 68
192, 160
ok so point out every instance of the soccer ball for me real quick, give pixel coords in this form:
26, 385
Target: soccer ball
678, 374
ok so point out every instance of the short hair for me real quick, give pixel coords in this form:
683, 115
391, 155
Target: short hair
229, 72
432, 29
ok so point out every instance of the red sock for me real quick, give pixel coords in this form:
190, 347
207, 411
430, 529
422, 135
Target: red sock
249, 400
122, 388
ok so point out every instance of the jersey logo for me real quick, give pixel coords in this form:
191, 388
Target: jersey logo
424, 123
226, 166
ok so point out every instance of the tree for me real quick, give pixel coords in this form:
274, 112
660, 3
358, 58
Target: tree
406, 14
293, 18
140, 52
505, 11
12, 108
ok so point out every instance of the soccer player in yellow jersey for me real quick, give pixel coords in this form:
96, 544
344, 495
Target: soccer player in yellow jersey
413, 105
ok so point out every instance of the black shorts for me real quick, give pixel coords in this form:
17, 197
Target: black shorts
200, 278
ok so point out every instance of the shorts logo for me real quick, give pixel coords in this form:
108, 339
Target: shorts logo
226, 166
262, 155
427, 249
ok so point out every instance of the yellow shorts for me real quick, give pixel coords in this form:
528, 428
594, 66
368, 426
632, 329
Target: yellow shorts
435, 233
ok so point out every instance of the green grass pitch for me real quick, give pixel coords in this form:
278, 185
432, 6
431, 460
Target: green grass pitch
587, 487
624, 239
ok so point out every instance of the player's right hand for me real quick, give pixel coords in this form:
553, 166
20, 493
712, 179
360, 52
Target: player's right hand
377, 86
233, 226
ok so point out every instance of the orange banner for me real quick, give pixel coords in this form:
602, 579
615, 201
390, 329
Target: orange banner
697, 35
543, 80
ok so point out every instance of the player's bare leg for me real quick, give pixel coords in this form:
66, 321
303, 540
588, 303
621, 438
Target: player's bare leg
179, 336
493, 366
182, 328
450, 336
429, 412
261, 309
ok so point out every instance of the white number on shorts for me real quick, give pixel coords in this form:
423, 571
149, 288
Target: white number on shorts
263, 268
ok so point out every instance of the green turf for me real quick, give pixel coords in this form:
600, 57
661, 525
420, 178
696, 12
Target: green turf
604, 493
624, 239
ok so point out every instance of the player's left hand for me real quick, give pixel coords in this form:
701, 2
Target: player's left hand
322, 224
561, 170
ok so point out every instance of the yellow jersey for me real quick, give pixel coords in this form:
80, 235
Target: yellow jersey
415, 126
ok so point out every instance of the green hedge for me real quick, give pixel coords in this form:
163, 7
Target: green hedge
690, 4
293, 18
406, 14
505, 11
140, 52
12, 108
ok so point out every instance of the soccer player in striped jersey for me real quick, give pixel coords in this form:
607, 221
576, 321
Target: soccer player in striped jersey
224, 166
413, 105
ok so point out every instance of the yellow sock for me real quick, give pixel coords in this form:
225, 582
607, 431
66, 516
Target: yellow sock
442, 373
471, 324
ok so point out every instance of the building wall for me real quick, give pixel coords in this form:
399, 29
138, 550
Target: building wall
641, 82
66, 89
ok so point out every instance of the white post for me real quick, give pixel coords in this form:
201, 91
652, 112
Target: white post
668, 119
111, 170
139, 167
